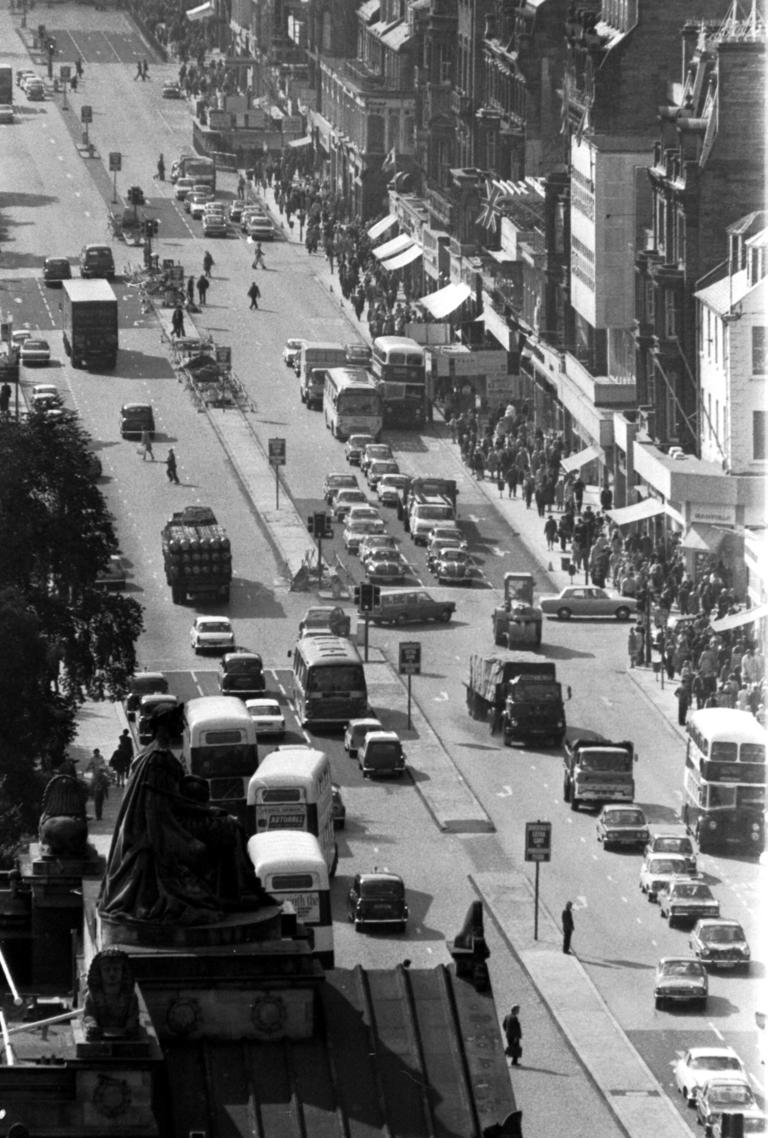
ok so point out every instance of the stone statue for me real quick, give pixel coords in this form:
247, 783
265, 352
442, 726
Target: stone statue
111, 1009
174, 858
63, 829
470, 949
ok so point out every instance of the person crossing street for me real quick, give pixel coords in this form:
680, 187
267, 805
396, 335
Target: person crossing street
254, 292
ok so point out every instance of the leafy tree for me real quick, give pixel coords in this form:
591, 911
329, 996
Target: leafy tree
64, 638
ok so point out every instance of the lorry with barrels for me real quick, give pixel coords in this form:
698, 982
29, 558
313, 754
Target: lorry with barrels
597, 770
520, 695
518, 621
197, 555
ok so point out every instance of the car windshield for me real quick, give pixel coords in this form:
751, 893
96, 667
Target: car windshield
432, 512
252, 664
722, 934
673, 845
269, 709
691, 890
385, 890
714, 1063
214, 626
682, 968
624, 818
661, 865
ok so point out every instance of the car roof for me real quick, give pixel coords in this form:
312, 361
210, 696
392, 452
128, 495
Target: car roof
377, 875
719, 921
382, 737
264, 701
218, 619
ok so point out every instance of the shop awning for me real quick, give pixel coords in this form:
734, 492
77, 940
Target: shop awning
446, 300
382, 226
574, 461
201, 12
305, 140
393, 247
648, 508
703, 538
739, 619
402, 259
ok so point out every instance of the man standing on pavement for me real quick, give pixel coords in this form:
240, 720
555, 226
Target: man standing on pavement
191, 290
202, 288
568, 926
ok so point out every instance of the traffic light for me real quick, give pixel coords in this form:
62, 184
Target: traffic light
51, 45
311, 523
151, 226
356, 594
367, 597
732, 1126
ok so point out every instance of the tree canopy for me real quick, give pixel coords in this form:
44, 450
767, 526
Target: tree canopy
65, 639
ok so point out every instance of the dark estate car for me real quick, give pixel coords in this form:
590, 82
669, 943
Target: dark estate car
97, 261
241, 674
135, 418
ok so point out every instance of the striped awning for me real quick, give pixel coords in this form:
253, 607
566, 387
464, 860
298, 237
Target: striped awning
392, 248
402, 259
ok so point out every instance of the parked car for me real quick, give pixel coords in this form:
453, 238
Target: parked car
241, 674
728, 1094
336, 481
35, 90
621, 825
113, 577
381, 753
267, 714
354, 447
135, 418
686, 900
697, 1065
658, 870
35, 353
587, 600
389, 486
292, 350
56, 270
377, 899
171, 90
680, 979
211, 634
355, 733
148, 705
666, 843
338, 809
404, 606
143, 683
720, 943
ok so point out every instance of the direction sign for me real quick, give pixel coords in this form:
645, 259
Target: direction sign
65, 72
538, 841
276, 452
86, 113
115, 160
410, 658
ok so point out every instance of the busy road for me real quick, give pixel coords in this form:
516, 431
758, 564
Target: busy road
54, 207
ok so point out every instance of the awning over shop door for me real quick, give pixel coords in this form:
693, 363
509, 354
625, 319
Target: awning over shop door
739, 619
382, 225
703, 538
306, 140
446, 300
393, 247
575, 461
648, 508
201, 12
402, 259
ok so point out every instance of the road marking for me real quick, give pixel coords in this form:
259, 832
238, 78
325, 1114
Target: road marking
505, 792
442, 698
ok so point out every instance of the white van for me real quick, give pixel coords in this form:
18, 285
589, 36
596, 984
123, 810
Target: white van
314, 360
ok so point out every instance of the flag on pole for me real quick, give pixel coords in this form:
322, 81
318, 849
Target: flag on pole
489, 215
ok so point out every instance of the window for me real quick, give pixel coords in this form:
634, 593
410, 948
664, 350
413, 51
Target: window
758, 350
670, 314
758, 435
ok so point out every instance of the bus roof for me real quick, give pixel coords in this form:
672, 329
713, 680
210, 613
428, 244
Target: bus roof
393, 343
271, 850
324, 345
328, 650
292, 764
728, 724
346, 376
222, 708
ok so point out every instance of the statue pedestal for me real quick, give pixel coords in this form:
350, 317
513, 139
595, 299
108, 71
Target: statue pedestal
56, 890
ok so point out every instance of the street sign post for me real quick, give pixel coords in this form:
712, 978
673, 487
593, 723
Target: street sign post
276, 450
86, 117
538, 848
409, 664
115, 164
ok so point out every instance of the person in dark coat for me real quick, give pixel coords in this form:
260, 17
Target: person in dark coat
254, 292
170, 467
566, 920
550, 531
578, 493
177, 321
191, 290
513, 1033
202, 288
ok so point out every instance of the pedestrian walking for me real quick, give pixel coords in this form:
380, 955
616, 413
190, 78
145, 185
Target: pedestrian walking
512, 479
207, 263
79, 67
202, 288
241, 187
170, 467
500, 481
578, 493
258, 257
177, 321
144, 70
139, 71
161, 169
97, 761
683, 694
191, 291
254, 292
566, 920
513, 1033
550, 531
122, 757
635, 646
145, 446
100, 791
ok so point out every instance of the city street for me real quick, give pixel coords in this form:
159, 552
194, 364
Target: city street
52, 201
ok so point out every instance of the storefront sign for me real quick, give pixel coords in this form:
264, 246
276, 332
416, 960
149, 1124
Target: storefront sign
713, 513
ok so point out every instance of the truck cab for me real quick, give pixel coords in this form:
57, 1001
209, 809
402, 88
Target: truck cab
598, 770
518, 621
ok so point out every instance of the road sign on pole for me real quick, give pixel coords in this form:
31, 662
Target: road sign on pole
276, 450
409, 665
538, 848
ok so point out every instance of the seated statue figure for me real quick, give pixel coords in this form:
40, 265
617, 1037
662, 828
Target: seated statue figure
111, 1009
63, 829
174, 858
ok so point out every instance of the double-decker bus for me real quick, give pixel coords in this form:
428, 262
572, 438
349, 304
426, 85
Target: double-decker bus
399, 371
291, 867
329, 685
351, 403
219, 745
724, 788
292, 790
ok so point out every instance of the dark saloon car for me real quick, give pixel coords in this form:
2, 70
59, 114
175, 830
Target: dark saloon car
56, 270
241, 674
377, 899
